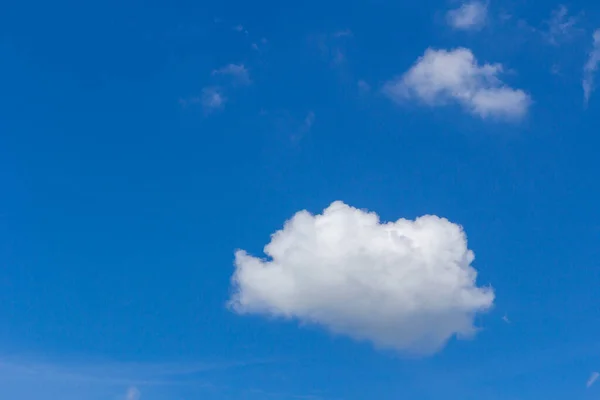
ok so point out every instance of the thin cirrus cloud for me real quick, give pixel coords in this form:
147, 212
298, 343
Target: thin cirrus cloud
406, 285
441, 77
26, 378
591, 67
469, 16
132, 374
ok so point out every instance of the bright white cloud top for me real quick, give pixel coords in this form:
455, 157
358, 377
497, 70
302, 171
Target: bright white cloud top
441, 77
591, 67
405, 285
469, 16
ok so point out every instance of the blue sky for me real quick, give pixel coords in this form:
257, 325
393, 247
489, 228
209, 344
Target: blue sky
150, 150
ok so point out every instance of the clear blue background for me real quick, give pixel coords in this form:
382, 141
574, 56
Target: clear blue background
120, 208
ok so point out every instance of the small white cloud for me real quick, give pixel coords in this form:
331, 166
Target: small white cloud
238, 72
591, 66
561, 26
469, 16
405, 285
212, 99
133, 394
505, 319
440, 77
592, 379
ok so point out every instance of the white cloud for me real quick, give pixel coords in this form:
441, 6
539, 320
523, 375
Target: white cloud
133, 394
591, 66
237, 72
469, 16
406, 285
212, 99
440, 77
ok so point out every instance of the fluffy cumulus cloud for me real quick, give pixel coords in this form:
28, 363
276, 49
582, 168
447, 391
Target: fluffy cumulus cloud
469, 16
440, 77
591, 66
405, 285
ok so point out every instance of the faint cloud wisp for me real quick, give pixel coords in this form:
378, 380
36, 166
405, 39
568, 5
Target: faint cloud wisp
363, 86
238, 73
212, 99
590, 67
343, 33
133, 393
592, 379
309, 120
561, 26
332, 45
